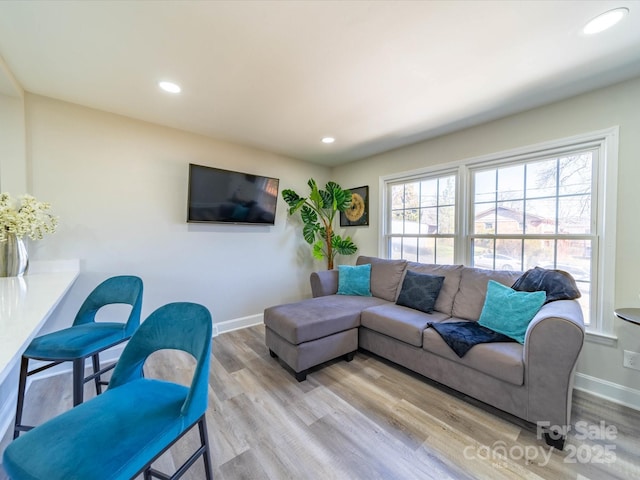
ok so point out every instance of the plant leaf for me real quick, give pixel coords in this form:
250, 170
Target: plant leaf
291, 197
327, 199
309, 232
332, 188
295, 207
343, 246
308, 215
318, 250
333, 191
315, 195
343, 200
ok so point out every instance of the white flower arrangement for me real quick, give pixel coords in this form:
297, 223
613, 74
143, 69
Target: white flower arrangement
25, 216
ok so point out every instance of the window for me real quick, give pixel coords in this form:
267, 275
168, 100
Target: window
542, 205
536, 213
423, 219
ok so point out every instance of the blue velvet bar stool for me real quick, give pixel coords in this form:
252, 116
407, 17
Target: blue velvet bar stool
119, 434
86, 338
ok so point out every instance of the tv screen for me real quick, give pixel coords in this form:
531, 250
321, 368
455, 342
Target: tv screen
224, 196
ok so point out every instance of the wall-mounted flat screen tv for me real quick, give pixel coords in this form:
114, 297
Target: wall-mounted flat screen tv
225, 196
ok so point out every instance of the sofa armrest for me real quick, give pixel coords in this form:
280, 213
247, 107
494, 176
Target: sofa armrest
324, 283
552, 345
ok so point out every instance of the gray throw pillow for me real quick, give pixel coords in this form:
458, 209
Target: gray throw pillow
420, 291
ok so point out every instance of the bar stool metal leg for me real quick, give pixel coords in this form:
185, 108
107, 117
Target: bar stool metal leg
96, 371
204, 439
24, 369
78, 381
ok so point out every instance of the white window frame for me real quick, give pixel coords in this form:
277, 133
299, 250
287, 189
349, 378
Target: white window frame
418, 177
604, 195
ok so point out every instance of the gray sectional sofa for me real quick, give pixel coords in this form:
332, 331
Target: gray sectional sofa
533, 381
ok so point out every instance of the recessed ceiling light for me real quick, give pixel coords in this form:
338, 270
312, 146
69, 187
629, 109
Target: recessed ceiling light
170, 87
605, 21
328, 140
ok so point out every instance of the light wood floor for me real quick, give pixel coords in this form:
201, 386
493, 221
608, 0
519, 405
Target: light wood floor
366, 419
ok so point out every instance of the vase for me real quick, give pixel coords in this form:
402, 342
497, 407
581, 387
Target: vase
14, 260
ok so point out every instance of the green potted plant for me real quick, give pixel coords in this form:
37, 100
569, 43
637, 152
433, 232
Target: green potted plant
318, 212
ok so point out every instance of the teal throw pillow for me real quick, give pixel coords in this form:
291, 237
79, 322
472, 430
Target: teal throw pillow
354, 280
509, 312
420, 291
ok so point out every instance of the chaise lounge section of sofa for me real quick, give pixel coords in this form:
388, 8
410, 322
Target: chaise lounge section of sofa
533, 380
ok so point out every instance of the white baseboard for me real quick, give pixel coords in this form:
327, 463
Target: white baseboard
629, 397
237, 324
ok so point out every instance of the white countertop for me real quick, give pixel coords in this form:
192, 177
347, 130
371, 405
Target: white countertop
25, 304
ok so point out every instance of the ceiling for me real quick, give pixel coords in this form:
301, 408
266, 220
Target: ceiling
280, 75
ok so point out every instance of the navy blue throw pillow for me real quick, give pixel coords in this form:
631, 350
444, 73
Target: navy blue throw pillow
557, 284
420, 291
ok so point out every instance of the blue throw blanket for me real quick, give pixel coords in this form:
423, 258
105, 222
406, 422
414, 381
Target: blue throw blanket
461, 336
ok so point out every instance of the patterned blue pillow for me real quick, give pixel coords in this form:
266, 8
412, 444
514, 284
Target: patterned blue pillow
509, 312
420, 291
354, 280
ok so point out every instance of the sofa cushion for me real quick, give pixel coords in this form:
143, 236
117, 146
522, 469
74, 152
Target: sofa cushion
419, 291
469, 300
317, 317
451, 274
509, 312
354, 280
385, 276
402, 323
502, 360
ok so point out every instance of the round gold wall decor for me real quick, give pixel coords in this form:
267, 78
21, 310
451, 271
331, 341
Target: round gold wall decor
356, 209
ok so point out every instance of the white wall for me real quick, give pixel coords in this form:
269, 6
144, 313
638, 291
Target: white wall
13, 173
119, 187
600, 367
